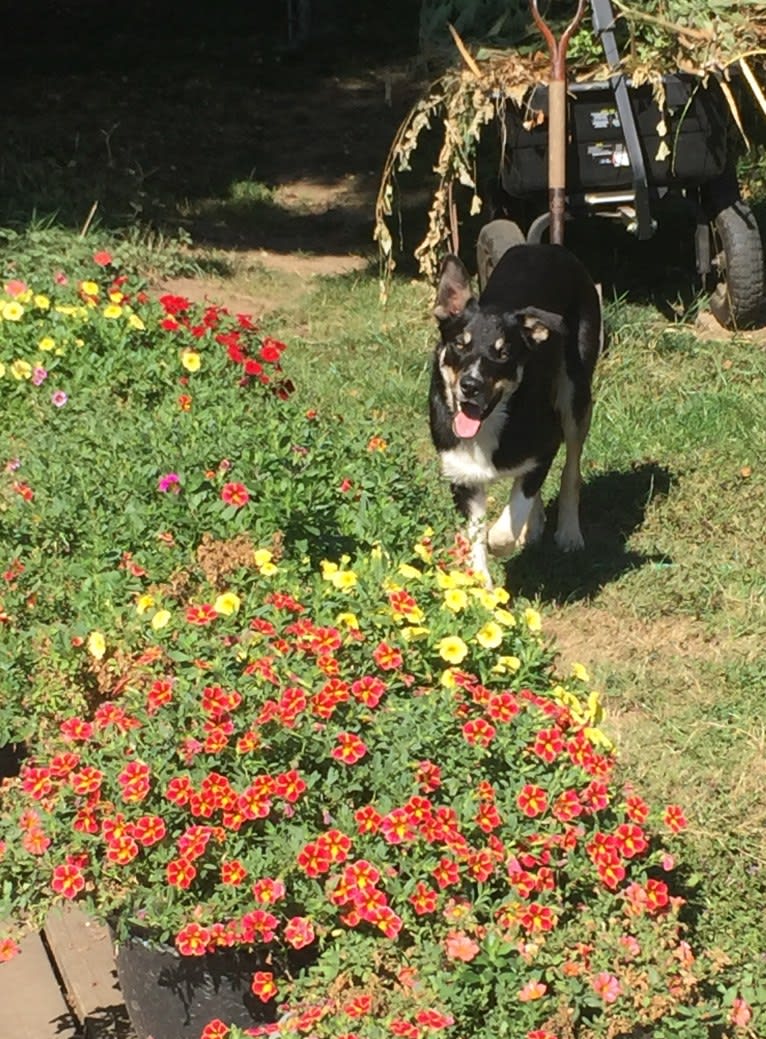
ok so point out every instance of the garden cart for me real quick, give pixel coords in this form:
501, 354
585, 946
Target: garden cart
628, 148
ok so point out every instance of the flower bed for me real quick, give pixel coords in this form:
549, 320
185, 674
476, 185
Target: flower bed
240, 736
378, 764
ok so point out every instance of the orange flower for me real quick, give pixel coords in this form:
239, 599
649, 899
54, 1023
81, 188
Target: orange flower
531, 991
459, 946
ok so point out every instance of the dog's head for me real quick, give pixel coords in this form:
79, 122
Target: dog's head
483, 350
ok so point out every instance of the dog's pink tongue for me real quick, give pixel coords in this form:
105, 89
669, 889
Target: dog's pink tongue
464, 426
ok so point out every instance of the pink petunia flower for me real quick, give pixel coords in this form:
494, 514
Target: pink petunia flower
169, 482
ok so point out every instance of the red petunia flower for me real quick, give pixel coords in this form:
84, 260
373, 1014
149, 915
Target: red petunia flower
423, 899
202, 613
235, 494
263, 985
299, 932
193, 940
388, 658
215, 1029
674, 818
180, 873
67, 880
350, 748
102, 258
532, 800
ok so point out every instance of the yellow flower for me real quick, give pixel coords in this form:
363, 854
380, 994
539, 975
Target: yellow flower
505, 617
344, 580
452, 649
115, 296
191, 360
161, 619
269, 569
46, 343
112, 311
533, 620
348, 620
144, 603
413, 632
598, 738
423, 552
135, 322
485, 596
448, 678
328, 569
455, 599
227, 603
96, 644
261, 556
506, 665
490, 636
42, 302
595, 708
410, 573
13, 311
89, 288
580, 672
21, 370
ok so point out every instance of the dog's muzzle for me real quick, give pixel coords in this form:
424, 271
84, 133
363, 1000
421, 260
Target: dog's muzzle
472, 407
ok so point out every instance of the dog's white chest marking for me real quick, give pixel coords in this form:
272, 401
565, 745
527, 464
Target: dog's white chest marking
470, 463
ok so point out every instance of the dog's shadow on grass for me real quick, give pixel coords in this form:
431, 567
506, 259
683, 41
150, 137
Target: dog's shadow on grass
613, 506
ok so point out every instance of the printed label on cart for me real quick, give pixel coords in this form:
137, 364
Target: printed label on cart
605, 119
609, 154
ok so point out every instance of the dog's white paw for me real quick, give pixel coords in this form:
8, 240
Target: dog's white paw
503, 540
569, 539
500, 539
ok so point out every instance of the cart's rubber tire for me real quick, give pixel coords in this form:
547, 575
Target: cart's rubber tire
736, 300
495, 239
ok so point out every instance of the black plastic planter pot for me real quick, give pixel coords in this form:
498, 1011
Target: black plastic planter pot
169, 996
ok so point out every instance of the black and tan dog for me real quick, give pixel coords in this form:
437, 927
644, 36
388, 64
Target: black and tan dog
511, 381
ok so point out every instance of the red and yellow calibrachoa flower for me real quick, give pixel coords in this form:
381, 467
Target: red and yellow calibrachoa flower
297, 781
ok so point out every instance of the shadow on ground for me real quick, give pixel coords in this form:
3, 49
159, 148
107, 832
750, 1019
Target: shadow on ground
613, 507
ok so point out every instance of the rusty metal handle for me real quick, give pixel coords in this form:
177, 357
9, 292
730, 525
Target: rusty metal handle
557, 48
557, 118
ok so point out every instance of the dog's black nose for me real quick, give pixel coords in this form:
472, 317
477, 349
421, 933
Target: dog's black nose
470, 386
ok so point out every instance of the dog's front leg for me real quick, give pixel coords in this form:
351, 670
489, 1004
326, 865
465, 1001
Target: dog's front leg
471, 503
521, 522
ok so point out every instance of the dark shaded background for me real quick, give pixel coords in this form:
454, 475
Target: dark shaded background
155, 109
150, 107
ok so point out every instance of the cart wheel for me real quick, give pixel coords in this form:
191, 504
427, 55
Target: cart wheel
737, 259
495, 239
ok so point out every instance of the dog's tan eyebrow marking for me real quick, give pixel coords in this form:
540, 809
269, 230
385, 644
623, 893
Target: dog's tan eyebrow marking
466, 338
499, 344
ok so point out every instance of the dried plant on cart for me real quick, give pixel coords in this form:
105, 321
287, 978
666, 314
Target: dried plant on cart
727, 40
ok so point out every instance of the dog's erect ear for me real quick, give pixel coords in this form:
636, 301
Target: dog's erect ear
454, 290
536, 325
